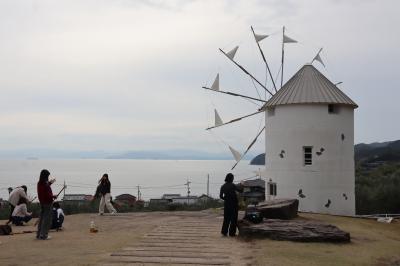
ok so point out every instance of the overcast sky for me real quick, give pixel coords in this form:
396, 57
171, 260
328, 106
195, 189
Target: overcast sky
127, 75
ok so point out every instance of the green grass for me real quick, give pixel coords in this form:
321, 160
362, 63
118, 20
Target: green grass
372, 243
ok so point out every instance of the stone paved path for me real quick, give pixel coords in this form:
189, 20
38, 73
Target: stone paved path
185, 241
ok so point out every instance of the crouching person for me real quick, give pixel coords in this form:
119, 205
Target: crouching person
20, 213
57, 217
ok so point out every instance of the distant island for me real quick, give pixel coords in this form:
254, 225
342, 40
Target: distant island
368, 153
35, 154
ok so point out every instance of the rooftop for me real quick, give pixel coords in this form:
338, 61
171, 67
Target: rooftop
309, 85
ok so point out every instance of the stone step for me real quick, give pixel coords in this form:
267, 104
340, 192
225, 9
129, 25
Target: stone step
171, 249
172, 237
187, 233
204, 242
168, 260
214, 245
174, 254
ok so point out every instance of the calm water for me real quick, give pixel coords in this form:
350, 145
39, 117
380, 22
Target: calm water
156, 177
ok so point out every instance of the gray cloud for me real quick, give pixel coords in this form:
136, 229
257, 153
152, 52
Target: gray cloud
128, 74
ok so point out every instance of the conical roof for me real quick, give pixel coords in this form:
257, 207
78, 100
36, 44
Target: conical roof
307, 86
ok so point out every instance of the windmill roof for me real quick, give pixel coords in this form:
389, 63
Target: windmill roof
309, 85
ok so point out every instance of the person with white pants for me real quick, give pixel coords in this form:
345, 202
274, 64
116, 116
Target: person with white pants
103, 190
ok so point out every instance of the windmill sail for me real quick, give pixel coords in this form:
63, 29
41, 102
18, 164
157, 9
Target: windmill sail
318, 58
231, 54
218, 120
215, 85
235, 154
260, 37
287, 39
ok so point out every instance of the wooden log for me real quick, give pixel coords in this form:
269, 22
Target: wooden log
279, 208
294, 230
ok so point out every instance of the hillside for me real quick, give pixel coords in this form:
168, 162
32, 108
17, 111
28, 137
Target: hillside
377, 177
377, 152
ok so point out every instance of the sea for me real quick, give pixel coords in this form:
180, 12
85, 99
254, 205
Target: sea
154, 177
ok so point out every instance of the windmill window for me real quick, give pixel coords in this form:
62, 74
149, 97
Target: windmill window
272, 189
271, 111
333, 109
307, 155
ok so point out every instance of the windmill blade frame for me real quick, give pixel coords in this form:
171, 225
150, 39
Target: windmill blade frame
247, 72
234, 94
264, 59
235, 120
248, 148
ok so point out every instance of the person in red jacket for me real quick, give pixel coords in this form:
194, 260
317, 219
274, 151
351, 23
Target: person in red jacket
46, 199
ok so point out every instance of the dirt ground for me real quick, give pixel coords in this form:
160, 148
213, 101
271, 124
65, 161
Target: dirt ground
372, 243
75, 245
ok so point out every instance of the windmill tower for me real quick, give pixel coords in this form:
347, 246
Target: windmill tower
309, 136
310, 143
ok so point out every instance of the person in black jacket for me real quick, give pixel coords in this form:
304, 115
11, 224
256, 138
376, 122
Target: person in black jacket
103, 191
231, 205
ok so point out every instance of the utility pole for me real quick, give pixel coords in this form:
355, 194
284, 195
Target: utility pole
188, 189
208, 185
138, 192
65, 188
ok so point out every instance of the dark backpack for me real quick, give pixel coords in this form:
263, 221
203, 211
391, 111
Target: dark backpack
5, 229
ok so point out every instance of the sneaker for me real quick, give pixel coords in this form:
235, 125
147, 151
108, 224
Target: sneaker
113, 213
46, 238
100, 213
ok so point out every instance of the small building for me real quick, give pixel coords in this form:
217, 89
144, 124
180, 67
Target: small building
170, 196
178, 199
189, 200
204, 198
159, 201
253, 191
77, 197
126, 199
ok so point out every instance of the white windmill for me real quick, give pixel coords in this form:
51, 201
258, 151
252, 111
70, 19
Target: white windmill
309, 135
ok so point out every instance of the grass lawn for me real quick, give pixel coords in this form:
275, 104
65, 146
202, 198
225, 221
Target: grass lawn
372, 243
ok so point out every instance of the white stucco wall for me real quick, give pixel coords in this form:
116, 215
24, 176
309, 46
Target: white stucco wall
331, 174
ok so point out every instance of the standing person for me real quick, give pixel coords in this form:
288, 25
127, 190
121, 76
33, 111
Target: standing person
103, 190
46, 199
231, 205
15, 195
20, 213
